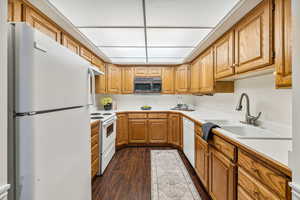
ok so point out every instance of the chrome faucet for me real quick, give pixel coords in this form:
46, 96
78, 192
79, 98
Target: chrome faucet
248, 118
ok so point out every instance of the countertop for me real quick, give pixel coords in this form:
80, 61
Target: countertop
274, 149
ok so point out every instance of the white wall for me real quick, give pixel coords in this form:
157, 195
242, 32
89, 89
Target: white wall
3, 99
134, 101
274, 104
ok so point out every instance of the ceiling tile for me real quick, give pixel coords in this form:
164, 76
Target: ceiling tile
165, 60
175, 37
124, 52
128, 60
101, 12
115, 36
169, 52
187, 12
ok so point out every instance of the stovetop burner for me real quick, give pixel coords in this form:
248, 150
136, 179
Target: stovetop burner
97, 117
95, 113
107, 114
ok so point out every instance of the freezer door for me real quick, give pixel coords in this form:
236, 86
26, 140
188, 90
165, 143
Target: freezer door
53, 156
47, 75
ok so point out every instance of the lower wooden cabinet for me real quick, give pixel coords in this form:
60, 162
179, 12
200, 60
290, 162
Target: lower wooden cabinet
222, 177
157, 130
122, 129
95, 160
201, 160
175, 130
138, 131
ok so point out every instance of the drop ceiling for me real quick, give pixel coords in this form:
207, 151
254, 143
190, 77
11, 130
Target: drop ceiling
145, 31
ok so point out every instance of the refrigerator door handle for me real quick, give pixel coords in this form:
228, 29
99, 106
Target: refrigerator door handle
92, 92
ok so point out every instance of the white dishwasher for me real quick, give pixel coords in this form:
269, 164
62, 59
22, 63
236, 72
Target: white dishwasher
189, 140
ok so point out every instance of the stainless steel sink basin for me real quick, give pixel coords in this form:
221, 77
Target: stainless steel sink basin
249, 132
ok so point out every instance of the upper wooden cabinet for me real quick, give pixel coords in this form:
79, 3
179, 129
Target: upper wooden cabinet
182, 78
195, 76
138, 131
127, 80
14, 10
222, 177
224, 56
147, 71
70, 43
207, 72
86, 54
114, 79
42, 24
158, 130
283, 43
175, 132
201, 160
168, 80
101, 79
253, 39
122, 130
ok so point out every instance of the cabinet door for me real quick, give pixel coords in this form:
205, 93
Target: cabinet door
175, 132
122, 129
168, 80
113, 79
224, 56
201, 160
222, 177
158, 130
86, 54
182, 77
138, 131
127, 80
154, 71
283, 43
141, 71
253, 39
242, 195
70, 43
207, 72
14, 13
42, 24
195, 77
101, 86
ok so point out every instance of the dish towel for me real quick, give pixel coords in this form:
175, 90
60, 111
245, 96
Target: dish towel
206, 129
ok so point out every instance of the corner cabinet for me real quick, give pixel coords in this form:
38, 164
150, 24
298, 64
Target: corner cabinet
114, 79
168, 80
127, 80
224, 56
222, 177
283, 43
253, 39
182, 79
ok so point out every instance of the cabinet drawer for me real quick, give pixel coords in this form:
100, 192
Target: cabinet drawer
137, 115
242, 195
265, 175
157, 115
94, 140
198, 130
95, 152
226, 148
254, 188
95, 167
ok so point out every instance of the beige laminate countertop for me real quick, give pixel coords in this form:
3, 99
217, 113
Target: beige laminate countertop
274, 149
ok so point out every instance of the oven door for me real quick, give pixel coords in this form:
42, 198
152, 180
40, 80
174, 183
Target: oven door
108, 134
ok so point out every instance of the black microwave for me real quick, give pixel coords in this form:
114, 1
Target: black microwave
147, 85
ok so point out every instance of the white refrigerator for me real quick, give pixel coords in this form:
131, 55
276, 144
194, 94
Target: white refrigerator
49, 122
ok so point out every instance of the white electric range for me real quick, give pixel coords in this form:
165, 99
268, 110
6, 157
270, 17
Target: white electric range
107, 137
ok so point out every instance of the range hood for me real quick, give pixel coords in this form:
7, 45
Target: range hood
96, 71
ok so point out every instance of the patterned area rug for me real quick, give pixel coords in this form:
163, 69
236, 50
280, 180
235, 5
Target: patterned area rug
170, 179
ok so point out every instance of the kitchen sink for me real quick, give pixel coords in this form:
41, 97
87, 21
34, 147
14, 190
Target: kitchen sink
249, 132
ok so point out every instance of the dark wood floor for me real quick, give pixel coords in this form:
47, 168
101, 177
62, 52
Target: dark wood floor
128, 176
